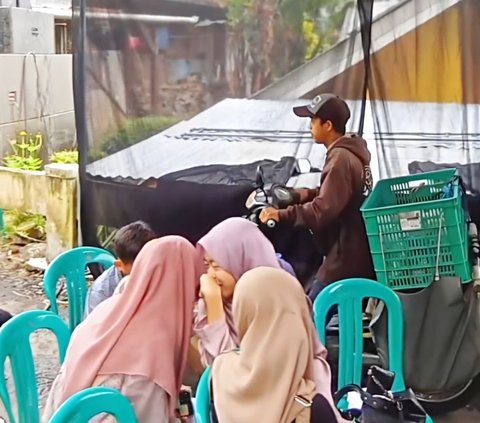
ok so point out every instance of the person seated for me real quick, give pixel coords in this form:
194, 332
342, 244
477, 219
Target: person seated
230, 249
138, 342
5, 316
270, 378
128, 242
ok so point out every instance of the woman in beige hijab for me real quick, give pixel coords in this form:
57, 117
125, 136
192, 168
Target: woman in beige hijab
270, 379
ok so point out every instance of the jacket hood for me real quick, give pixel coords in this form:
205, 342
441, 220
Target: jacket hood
355, 144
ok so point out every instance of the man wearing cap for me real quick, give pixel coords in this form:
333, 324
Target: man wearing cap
332, 211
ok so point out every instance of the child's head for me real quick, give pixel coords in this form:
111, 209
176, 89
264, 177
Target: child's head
128, 242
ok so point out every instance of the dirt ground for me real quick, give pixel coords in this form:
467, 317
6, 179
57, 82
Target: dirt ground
22, 290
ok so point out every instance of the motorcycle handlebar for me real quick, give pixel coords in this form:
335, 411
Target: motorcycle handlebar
271, 223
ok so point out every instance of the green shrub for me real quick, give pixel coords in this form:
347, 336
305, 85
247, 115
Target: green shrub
134, 131
65, 157
28, 226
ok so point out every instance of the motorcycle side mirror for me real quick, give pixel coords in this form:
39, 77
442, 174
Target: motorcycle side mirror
303, 166
260, 180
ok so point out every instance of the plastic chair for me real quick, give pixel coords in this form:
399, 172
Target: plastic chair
348, 295
72, 265
15, 345
203, 398
2, 223
86, 404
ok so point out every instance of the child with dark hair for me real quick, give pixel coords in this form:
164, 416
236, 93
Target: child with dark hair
5, 316
128, 242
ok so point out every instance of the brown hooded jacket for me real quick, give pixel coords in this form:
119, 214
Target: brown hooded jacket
332, 212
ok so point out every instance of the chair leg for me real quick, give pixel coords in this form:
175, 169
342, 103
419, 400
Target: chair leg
2, 224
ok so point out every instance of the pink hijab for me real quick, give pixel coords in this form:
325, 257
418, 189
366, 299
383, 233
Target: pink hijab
238, 246
146, 330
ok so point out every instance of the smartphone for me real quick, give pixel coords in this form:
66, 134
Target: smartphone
185, 404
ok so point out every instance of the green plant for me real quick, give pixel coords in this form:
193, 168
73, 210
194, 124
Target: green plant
310, 34
26, 156
134, 131
65, 157
105, 235
269, 38
26, 152
24, 225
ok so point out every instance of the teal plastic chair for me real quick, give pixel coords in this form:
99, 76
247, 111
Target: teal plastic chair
15, 345
203, 398
72, 264
348, 295
2, 223
86, 404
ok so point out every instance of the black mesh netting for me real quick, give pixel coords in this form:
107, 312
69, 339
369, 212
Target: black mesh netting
165, 129
170, 129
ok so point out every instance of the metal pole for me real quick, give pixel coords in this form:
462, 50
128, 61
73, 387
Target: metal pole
142, 17
80, 99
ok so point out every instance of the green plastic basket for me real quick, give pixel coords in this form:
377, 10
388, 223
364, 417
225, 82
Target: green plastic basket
417, 224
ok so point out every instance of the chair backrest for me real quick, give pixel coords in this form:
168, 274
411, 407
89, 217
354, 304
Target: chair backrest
348, 295
203, 398
15, 345
72, 264
86, 404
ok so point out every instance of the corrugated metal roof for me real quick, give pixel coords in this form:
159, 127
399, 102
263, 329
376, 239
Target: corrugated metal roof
234, 131
240, 131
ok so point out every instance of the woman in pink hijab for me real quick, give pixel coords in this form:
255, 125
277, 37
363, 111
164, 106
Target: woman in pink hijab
231, 249
137, 342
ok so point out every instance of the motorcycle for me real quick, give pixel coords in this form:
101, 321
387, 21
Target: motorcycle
278, 196
266, 195
296, 245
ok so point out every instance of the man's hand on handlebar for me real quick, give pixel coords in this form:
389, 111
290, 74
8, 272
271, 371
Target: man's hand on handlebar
269, 213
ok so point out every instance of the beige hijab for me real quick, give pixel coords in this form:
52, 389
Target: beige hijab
275, 360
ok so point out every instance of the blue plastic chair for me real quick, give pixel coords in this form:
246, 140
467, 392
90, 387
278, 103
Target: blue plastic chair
15, 345
203, 398
72, 264
86, 404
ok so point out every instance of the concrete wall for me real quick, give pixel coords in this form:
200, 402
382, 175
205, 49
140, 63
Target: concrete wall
43, 99
24, 30
52, 193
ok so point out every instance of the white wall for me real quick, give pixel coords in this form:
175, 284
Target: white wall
32, 31
24, 30
44, 98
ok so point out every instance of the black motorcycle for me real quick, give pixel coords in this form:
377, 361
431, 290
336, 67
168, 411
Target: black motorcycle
295, 244
279, 196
